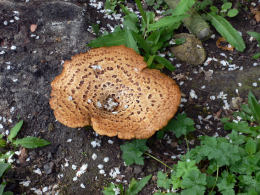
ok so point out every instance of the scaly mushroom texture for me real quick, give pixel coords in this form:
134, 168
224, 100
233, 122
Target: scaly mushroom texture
111, 89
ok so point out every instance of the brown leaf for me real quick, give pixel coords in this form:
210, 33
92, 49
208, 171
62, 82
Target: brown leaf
23, 155
33, 27
256, 12
223, 44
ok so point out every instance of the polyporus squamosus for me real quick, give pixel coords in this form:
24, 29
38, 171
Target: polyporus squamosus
111, 89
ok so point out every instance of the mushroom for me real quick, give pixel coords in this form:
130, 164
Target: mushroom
111, 89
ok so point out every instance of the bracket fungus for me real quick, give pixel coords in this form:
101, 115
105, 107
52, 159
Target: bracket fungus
111, 89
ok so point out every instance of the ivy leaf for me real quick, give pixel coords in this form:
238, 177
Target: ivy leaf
163, 181
182, 125
31, 142
136, 186
133, 152
227, 31
254, 106
194, 183
14, 131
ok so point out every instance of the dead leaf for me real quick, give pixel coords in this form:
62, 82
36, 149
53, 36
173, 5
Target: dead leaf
33, 27
256, 12
179, 77
224, 45
23, 155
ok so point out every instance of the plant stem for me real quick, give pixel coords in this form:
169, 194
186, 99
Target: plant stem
187, 143
158, 160
215, 180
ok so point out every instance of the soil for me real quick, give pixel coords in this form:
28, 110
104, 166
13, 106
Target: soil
29, 61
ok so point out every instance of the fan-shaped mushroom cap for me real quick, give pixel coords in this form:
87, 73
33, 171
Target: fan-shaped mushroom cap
111, 89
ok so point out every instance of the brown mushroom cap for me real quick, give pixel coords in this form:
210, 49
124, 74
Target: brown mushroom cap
111, 89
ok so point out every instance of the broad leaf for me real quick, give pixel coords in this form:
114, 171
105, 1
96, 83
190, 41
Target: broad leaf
112, 39
166, 21
14, 131
254, 106
133, 152
130, 42
136, 186
31, 142
3, 167
227, 31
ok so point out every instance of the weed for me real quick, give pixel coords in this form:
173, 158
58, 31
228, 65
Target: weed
6, 158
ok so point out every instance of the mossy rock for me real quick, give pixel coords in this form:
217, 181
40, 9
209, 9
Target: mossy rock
191, 52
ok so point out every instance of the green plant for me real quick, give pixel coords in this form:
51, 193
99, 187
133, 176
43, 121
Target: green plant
256, 35
111, 5
11, 142
146, 36
225, 165
134, 187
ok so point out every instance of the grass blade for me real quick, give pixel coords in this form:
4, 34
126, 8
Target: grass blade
227, 31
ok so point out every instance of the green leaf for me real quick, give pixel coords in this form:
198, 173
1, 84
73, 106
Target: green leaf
31, 142
194, 182
140, 8
136, 186
254, 106
14, 131
141, 42
130, 42
2, 187
166, 63
256, 56
182, 125
112, 39
256, 35
166, 21
184, 167
130, 22
3, 167
251, 146
226, 6
232, 13
8, 193
2, 143
133, 152
112, 189
227, 31
183, 6
226, 184
163, 181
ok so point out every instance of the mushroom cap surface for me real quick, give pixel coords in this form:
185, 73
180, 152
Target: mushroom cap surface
111, 89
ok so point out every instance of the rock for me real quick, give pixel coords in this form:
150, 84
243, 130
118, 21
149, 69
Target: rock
48, 168
191, 52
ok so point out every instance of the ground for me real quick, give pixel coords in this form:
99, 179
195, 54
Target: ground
30, 60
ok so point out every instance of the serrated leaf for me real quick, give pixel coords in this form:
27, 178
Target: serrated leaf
31, 142
182, 125
184, 167
136, 186
163, 181
195, 182
166, 63
254, 106
14, 131
133, 152
3, 168
251, 146
227, 31
112, 39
